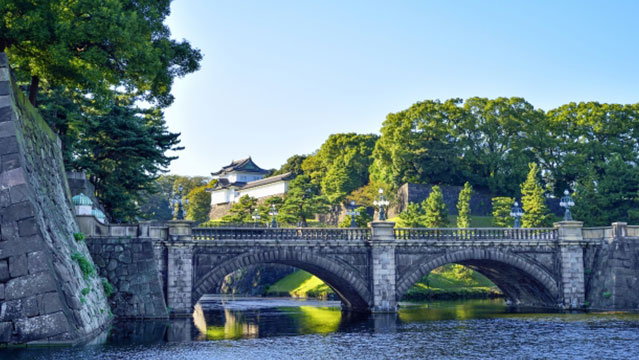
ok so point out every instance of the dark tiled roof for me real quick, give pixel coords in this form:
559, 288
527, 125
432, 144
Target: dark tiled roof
246, 165
225, 184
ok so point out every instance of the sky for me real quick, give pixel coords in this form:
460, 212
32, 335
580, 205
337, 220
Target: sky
278, 77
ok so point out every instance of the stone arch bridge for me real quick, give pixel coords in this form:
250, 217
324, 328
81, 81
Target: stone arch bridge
370, 269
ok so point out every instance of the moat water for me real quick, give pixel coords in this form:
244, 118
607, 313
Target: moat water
249, 328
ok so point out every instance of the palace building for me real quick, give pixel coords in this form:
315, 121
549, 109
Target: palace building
244, 177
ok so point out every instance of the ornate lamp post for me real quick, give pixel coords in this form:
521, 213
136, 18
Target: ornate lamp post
567, 202
256, 217
352, 213
517, 212
382, 203
273, 213
180, 202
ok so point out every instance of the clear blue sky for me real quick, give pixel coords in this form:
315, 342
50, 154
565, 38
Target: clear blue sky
278, 77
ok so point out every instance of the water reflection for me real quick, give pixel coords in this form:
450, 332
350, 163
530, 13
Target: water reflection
289, 329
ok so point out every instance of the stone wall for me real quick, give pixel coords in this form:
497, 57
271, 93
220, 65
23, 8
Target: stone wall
612, 271
129, 265
44, 295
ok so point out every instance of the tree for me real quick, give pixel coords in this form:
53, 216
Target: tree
610, 196
436, 213
417, 145
265, 208
96, 46
501, 211
199, 205
412, 216
302, 202
361, 219
242, 210
587, 136
122, 149
341, 165
463, 206
293, 165
536, 213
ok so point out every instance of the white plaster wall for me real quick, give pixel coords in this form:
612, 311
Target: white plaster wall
266, 190
220, 196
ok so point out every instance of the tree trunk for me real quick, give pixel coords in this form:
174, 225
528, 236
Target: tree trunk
33, 90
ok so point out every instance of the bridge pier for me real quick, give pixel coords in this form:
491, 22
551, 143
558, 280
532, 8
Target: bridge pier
571, 253
383, 267
179, 282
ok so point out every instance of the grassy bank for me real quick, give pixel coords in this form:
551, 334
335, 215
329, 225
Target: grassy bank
448, 282
300, 284
451, 282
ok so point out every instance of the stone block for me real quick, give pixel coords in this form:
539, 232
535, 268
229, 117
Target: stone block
20, 308
6, 328
18, 193
37, 261
29, 285
28, 227
18, 211
1, 291
8, 145
5, 110
7, 129
41, 326
5, 199
5, 87
50, 303
4, 270
18, 265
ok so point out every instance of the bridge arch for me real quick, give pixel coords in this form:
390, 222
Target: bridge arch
522, 281
349, 286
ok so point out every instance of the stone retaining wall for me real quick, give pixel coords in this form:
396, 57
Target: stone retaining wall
129, 265
44, 295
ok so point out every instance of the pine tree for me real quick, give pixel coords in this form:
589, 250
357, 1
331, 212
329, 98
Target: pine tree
536, 213
463, 206
501, 211
435, 209
412, 216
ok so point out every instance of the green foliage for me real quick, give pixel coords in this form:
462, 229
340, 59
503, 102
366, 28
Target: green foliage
155, 201
86, 291
302, 202
481, 141
293, 165
367, 194
361, 220
612, 195
242, 210
341, 165
78, 236
536, 213
86, 266
108, 288
436, 213
501, 211
606, 294
88, 64
96, 46
463, 206
199, 205
412, 216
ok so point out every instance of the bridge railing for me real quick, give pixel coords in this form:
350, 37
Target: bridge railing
476, 234
232, 233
